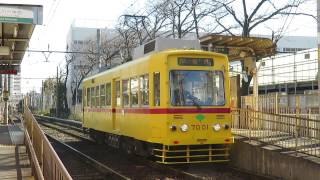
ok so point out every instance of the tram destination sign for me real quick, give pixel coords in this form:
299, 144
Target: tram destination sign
9, 69
186, 61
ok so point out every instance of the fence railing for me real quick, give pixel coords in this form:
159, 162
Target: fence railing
304, 105
293, 133
45, 162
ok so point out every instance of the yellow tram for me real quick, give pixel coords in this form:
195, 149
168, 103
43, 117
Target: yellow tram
170, 104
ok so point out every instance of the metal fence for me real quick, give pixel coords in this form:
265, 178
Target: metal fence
302, 105
45, 162
293, 133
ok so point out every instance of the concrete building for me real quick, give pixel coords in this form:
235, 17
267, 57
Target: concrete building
83, 37
14, 88
77, 39
290, 44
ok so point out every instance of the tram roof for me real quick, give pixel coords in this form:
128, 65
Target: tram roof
234, 46
17, 22
146, 57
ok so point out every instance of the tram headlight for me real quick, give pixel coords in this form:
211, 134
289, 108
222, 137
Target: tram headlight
216, 127
173, 127
226, 126
184, 128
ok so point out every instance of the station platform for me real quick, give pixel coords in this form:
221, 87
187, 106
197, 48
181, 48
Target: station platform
274, 160
14, 160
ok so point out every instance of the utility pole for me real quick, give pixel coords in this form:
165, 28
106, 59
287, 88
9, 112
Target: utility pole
318, 30
57, 90
42, 96
98, 48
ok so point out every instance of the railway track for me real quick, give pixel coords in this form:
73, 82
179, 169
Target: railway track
113, 163
129, 167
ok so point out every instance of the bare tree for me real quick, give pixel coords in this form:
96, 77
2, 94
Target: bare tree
69, 58
180, 14
157, 20
110, 50
84, 66
128, 40
246, 18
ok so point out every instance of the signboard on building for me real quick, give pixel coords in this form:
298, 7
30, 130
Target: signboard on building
22, 14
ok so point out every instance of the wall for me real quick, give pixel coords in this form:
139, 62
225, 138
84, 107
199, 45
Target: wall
270, 161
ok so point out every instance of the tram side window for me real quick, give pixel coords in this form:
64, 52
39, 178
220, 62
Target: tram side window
156, 85
144, 89
97, 96
88, 97
108, 94
125, 92
118, 100
102, 95
134, 91
93, 97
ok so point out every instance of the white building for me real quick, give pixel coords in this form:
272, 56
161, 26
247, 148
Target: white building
83, 33
14, 88
292, 44
77, 39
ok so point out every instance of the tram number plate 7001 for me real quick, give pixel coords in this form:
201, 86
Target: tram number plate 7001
199, 127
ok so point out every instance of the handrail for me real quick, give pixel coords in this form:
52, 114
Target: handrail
42, 153
34, 161
290, 132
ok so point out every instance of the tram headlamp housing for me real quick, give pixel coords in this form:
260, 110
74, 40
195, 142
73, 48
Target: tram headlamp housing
184, 128
216, 127
226, 126
173, 127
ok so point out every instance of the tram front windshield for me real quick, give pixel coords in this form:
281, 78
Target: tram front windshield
196, 88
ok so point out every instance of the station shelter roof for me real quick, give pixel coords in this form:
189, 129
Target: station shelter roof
237, 47
17, 23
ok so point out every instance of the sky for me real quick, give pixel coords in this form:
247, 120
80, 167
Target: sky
58, 16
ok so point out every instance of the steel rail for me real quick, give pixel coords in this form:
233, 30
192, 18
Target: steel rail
101, 167
150, 163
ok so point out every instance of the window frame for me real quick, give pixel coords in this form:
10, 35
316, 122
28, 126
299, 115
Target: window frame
144, 89
108, 96
102, 96
127, 92
118, 93
93, 98
97, 88
88, 103
154, 89
136, 91
212, 70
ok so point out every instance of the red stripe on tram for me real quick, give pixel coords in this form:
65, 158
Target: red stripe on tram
162, 110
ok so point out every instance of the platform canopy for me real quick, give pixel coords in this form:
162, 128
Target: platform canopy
17, 22
238, 47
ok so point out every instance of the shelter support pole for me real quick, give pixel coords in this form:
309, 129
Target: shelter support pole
6, 98
250, 66
318, 30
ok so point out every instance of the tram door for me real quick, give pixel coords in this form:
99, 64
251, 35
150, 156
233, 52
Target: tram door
116, 103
